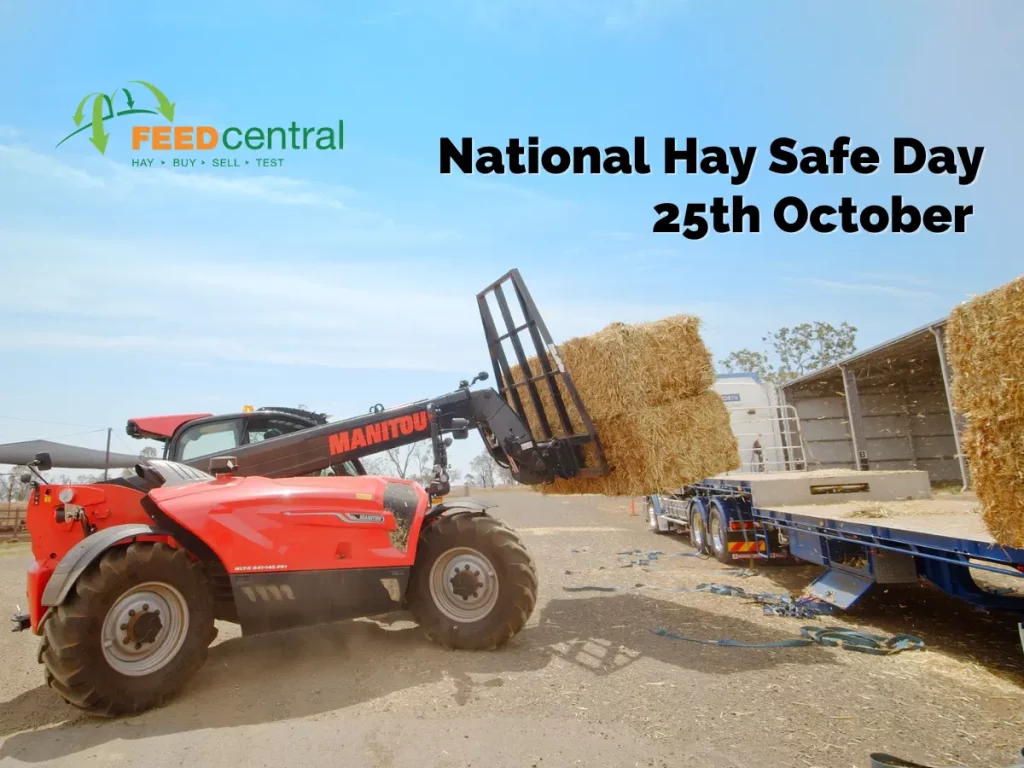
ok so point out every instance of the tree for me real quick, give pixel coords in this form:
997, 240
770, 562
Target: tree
11, 487
410, 462
483, 467
748, 361
797, 351
488, 472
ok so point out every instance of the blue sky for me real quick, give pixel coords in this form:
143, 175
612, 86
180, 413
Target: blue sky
345, 279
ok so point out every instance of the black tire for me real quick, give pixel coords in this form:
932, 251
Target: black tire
511, 592
718, 537
698, 536
652, 520
72, 648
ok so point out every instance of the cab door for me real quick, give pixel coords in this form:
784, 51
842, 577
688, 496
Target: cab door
206, 437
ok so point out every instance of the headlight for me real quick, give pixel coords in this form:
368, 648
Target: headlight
66, 495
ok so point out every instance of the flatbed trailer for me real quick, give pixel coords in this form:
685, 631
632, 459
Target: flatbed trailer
864, 527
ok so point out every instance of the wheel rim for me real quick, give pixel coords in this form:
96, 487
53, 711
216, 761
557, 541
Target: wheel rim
651, 517
463, 584
145, 628
697, 530
716, 534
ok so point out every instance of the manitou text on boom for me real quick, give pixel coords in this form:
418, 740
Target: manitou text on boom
909, 156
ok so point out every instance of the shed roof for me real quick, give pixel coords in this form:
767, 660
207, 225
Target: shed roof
907, 344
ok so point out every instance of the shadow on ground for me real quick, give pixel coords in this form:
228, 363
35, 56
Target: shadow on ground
321, 669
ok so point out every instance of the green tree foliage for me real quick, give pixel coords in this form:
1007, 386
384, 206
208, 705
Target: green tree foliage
796, 351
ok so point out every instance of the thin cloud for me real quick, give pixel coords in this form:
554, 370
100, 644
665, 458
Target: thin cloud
629, 13
297, 312
275, 190
24, 160
613, 15
383, 18
494, 187
888, 277
877, 289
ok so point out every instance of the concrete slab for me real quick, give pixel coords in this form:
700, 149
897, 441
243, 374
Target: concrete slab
831, 486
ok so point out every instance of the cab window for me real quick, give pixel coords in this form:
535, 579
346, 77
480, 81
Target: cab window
259, 429
205, 439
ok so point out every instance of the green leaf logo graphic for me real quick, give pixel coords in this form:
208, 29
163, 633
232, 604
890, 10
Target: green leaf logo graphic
99, 136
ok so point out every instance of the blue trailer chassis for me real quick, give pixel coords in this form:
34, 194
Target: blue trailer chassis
856, 555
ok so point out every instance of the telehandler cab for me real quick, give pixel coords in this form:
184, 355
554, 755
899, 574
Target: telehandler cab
130, 575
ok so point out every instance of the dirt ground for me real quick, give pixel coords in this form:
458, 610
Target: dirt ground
586, 683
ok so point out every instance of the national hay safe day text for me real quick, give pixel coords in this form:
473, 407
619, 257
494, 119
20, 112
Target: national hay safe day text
723, 215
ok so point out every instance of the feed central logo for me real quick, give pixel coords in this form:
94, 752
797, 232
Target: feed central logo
163, 135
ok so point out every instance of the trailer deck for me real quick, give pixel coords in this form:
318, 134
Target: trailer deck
864, 527
953, 516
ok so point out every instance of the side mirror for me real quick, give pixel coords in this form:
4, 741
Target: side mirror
42, 462
223, 465
25, 478
459, 428
447, 442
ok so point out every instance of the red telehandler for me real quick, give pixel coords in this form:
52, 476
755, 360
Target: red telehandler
130, 575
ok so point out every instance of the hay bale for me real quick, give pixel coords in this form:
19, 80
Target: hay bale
660, 448
996, 452
646, 387
985, 345
625, 366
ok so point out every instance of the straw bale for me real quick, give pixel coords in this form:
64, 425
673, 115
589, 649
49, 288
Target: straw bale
995, 450
644, 364
660, 448
985, 344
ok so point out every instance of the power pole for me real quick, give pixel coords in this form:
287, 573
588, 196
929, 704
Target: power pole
106, 463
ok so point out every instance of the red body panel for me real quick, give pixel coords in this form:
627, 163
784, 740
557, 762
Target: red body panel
255, 524
105, 505
162, 427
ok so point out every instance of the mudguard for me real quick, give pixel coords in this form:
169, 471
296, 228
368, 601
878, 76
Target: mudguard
84, 554
471, 505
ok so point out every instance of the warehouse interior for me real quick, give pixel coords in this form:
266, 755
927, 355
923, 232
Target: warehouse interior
887, 407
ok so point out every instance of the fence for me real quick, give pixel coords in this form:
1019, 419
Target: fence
12, 515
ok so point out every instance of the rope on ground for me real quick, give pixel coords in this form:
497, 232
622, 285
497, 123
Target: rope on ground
832, 637
883, 760
774, 604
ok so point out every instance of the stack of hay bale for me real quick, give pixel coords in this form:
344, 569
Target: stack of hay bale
647, 389
985, 345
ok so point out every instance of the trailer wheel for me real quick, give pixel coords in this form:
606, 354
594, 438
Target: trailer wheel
652, 518
132, 632
698, 536
718, 536
473, 585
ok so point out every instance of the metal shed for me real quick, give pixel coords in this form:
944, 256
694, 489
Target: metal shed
887, 407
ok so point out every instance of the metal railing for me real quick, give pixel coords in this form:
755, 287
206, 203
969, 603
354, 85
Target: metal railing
771, 441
